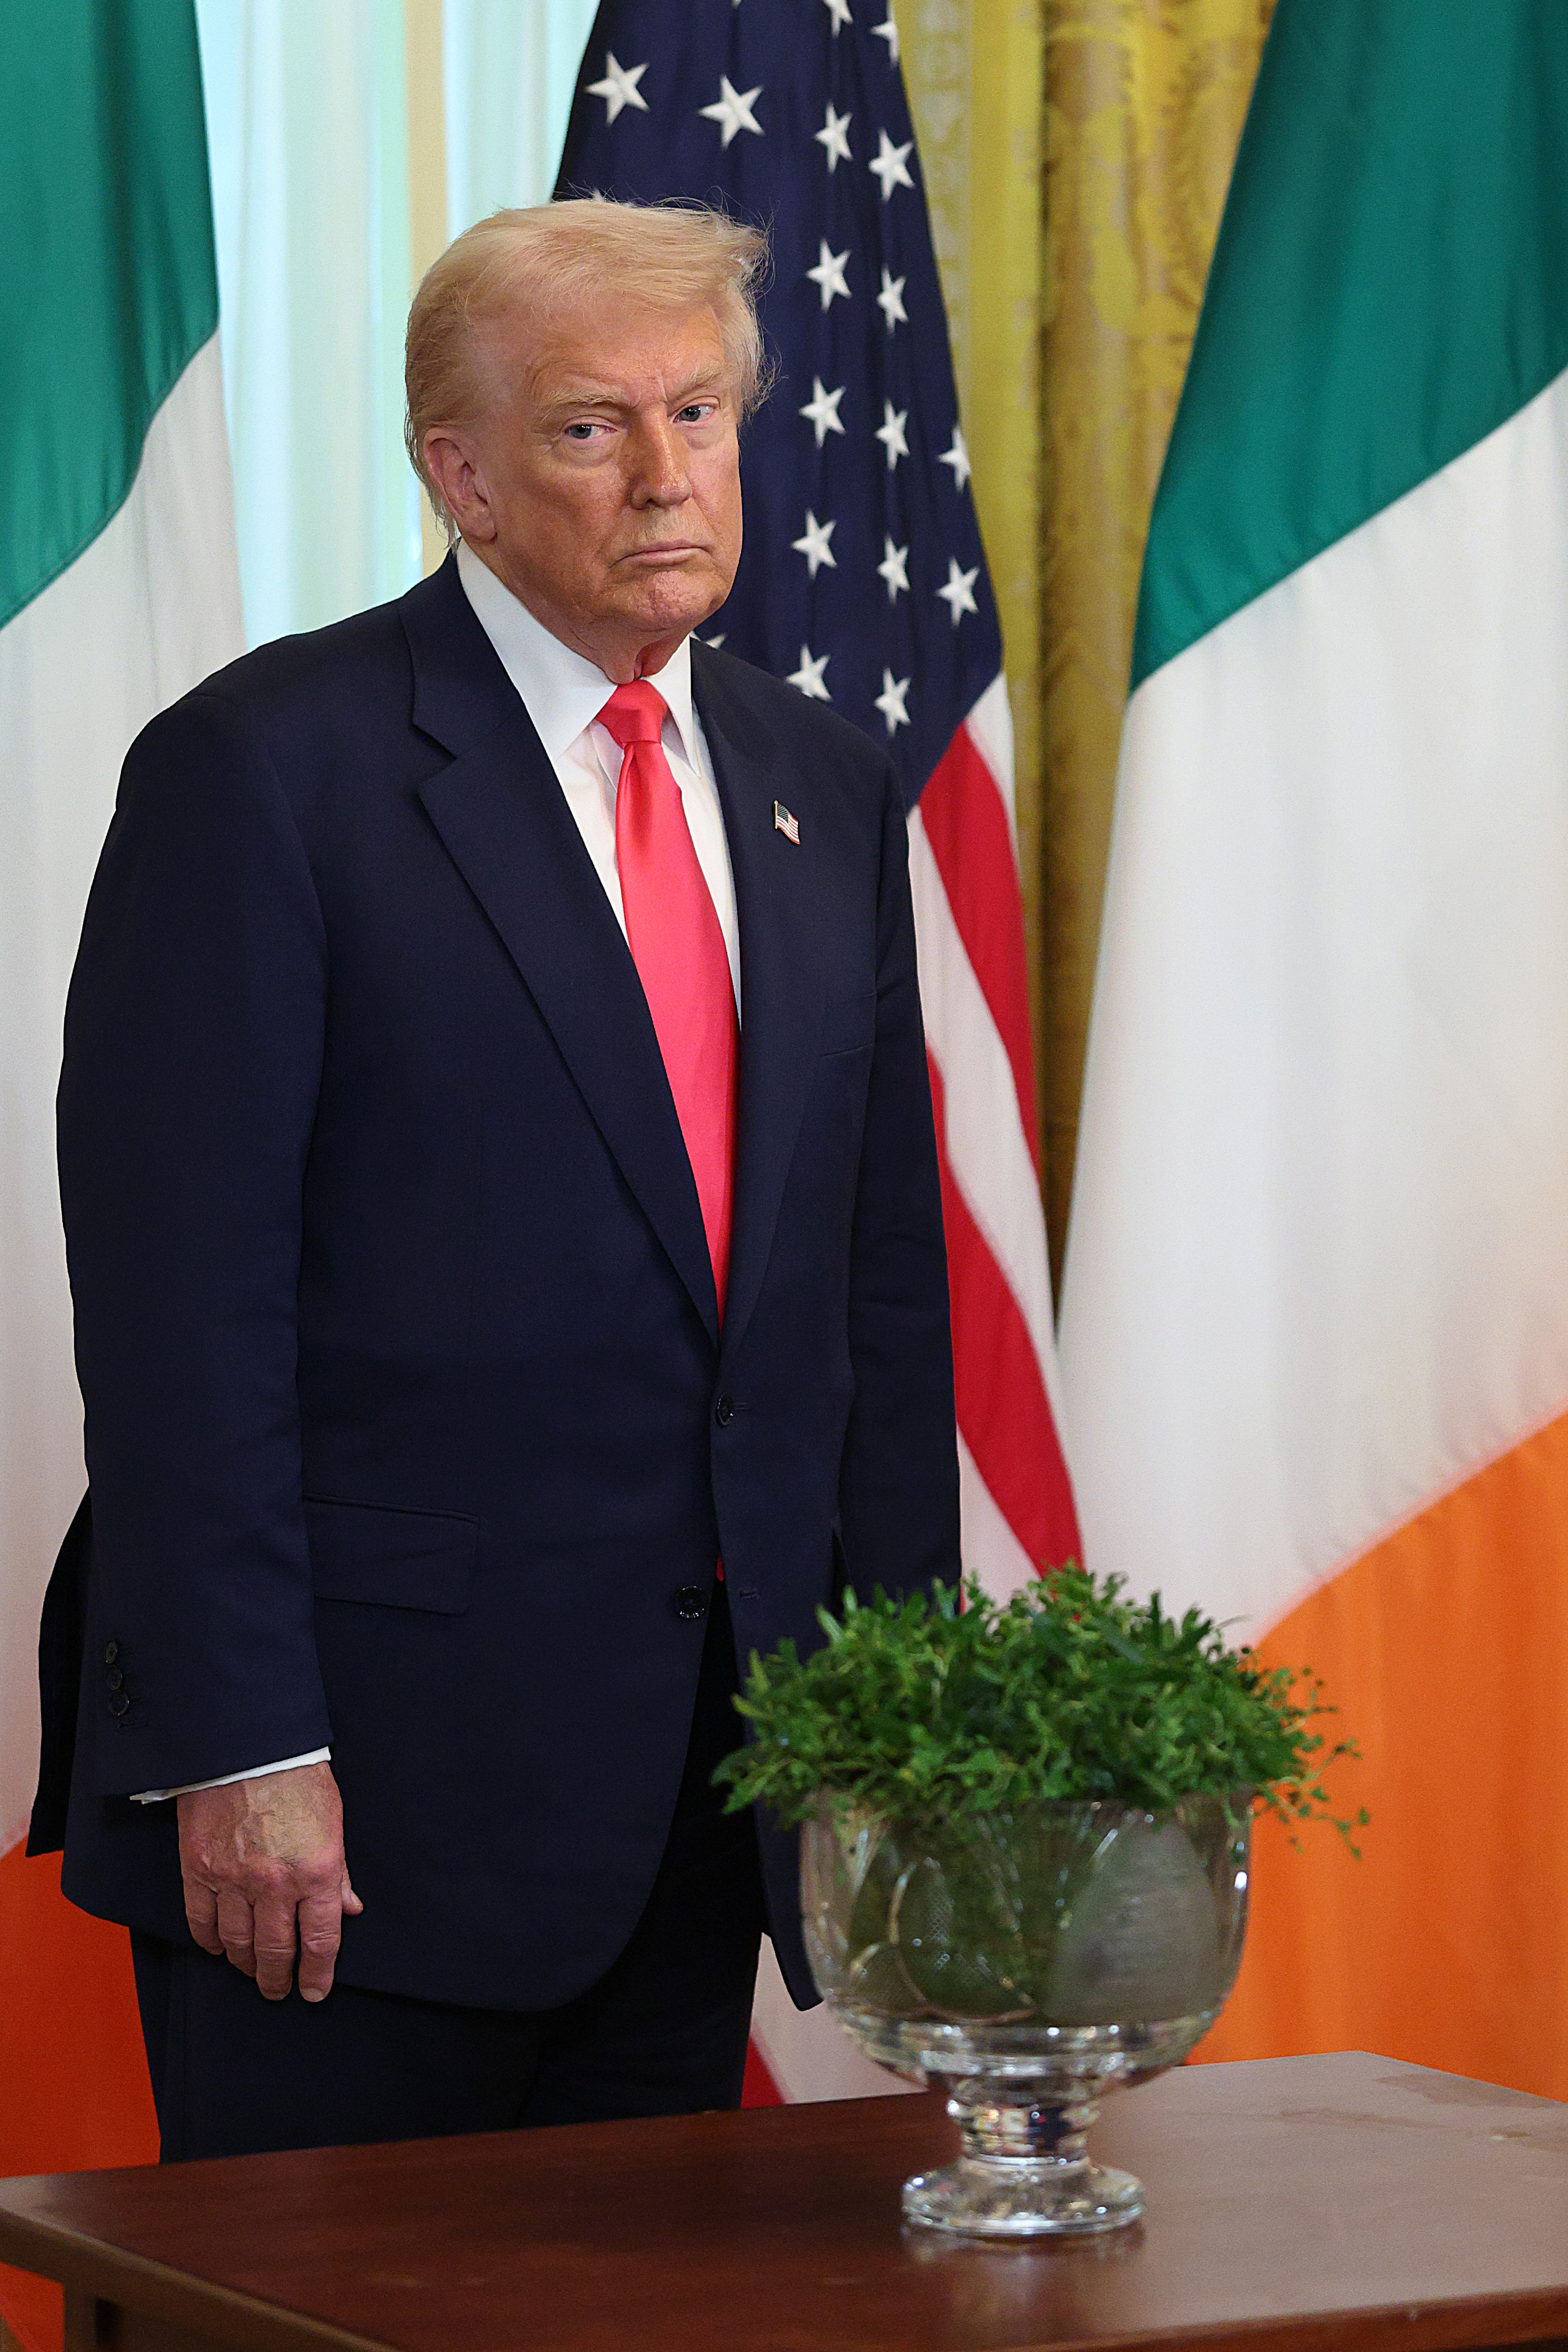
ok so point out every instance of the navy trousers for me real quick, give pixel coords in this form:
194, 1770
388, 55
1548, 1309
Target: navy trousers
663, 2033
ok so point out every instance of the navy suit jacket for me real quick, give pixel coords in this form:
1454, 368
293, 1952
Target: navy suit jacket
408, 1407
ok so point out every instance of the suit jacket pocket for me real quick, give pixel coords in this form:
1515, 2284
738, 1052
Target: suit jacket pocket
849, 1023
397, 1558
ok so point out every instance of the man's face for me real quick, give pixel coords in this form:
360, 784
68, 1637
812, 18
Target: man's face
604, 485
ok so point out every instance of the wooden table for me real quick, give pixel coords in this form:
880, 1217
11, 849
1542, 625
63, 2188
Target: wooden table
1337, 2204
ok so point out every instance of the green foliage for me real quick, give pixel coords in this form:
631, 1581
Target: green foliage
942, 1708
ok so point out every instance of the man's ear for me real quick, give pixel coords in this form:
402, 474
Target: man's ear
454, 461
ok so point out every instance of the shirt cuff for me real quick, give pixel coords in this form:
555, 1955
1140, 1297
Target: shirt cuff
226, 1779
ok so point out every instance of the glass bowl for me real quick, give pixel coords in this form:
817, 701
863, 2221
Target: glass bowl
1027, 1961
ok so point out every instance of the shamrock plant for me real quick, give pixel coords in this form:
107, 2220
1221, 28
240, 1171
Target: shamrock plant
943, 1707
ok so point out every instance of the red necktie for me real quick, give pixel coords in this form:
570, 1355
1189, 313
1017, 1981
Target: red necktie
677, 946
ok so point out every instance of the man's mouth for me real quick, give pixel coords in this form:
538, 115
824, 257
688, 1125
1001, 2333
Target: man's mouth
665, 551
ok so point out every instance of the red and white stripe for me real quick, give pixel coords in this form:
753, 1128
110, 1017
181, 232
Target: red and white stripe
1016, 1497
1017, 1506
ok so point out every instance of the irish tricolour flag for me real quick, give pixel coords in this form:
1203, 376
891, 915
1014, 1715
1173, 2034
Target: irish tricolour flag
119, 589
1315, 1328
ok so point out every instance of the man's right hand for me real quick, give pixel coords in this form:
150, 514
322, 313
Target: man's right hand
257, 1856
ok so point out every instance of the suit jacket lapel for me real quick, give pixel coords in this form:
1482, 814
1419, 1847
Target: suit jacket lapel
500, 813
781, 987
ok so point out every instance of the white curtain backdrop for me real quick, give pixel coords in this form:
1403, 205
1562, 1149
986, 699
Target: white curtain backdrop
511, 69
308, 135
308, 130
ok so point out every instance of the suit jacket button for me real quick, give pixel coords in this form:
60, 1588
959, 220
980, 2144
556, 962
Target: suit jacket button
116, 1680
690, 1600
119, 1704
724, 1410
111, 1651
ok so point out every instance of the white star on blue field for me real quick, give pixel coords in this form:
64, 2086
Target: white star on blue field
863, 581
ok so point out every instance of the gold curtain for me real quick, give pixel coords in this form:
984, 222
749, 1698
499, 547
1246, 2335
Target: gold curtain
1076, 154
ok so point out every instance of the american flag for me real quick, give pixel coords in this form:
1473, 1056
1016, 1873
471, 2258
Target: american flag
864, 583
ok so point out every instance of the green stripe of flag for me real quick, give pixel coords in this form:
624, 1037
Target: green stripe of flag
108, 282
1390, 284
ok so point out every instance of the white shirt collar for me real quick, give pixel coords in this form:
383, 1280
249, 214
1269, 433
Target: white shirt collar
563, 691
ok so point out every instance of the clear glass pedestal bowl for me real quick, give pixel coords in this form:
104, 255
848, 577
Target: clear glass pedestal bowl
1027, 1962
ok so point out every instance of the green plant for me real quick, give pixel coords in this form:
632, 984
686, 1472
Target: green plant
939, 1709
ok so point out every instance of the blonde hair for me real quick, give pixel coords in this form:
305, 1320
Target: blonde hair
549, 260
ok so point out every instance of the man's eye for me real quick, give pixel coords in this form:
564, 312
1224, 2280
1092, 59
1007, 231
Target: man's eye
695, 411
580, 431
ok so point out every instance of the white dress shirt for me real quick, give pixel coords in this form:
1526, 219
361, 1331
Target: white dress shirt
564, 693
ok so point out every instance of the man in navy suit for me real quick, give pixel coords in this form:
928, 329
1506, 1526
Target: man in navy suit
504, 1229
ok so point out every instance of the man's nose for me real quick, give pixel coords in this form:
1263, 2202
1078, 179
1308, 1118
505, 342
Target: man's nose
658, 471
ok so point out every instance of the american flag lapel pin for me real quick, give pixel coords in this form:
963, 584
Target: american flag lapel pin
785, 824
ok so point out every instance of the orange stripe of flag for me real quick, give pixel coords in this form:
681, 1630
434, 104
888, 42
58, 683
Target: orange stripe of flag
1444, 1648
74, 2077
